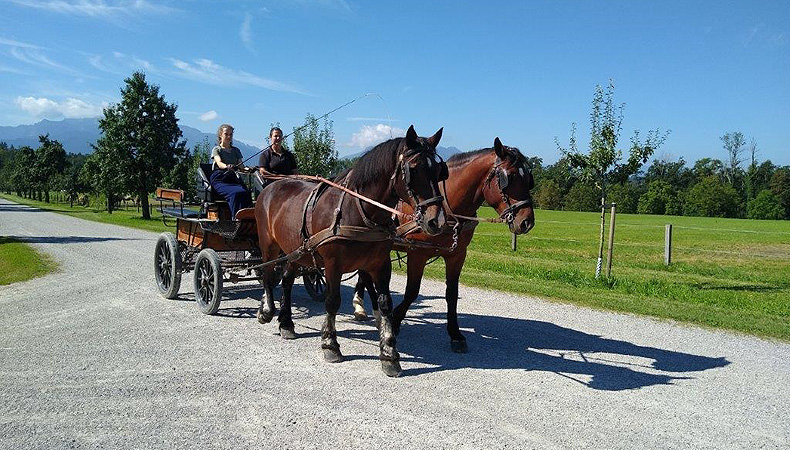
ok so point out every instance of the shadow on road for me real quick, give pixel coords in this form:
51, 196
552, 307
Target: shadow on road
494, 343
60, 239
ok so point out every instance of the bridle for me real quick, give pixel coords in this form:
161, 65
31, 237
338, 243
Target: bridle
503, 180
404, 160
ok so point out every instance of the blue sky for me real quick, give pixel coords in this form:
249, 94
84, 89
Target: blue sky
520, 70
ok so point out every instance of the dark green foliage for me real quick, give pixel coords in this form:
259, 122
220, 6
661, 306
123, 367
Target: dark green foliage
660, 198
49, 165
780, 186
583, 197
675, 173
548, 195
712, 198
314, 147
758, 178
626, 196
765, 206
140, 140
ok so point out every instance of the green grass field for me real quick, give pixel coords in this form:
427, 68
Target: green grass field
726, 273
21, 262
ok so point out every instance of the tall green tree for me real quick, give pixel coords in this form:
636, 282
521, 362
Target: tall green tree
712, 197
50, 164
142, 138
735, 145
22, 177
314, 147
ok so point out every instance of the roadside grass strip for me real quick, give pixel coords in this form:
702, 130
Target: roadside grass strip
21, 262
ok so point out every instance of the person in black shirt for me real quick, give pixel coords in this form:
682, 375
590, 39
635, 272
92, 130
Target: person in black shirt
276, 158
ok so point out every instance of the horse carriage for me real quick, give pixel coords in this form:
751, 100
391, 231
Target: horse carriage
218, 248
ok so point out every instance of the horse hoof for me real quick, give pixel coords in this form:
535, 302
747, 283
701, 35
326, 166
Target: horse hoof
459, 346
360, 316
265, 316
332, 356
391, 368
287, 333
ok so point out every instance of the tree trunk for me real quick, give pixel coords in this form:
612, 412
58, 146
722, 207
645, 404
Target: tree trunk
144, 205
110, 202
46, 195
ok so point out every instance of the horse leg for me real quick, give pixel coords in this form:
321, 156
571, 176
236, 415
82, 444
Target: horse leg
453, 267
266, 309
415, 267
285, 319
388, 354
329, 342
359, 298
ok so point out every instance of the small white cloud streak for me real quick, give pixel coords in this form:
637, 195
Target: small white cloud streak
207, 71
34, 57
370, 135
208, 116
13, 43
71, 108
97, 8
246, 32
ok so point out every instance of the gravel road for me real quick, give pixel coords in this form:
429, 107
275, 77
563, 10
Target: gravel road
93, 357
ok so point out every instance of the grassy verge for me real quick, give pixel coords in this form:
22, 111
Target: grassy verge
726, 273
21, 262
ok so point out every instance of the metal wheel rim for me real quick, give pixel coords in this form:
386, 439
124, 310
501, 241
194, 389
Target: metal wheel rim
207, 286
164, 263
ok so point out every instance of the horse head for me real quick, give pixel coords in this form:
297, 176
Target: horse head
507, 188
419, 173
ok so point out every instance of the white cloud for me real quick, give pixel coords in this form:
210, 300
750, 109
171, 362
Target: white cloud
207, 71
208, 116
98, 8
246, 32
46, 108
370, 135
13, 43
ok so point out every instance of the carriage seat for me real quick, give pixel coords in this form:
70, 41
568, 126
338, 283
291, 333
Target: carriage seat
206, 193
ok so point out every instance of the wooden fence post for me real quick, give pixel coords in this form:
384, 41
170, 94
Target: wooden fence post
611, 243
668, 244
513, 242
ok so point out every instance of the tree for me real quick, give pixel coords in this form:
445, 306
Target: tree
758, 178
184, 174
660, 198
141, 138
734, 145
548, 195
314, 148
765, 206
581, 197
49, 165
673, 172
22, 177
711, 198
780, 186
626, 196
602, 164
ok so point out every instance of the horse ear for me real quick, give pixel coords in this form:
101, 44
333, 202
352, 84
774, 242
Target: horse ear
498, 147
411, 137
434, 140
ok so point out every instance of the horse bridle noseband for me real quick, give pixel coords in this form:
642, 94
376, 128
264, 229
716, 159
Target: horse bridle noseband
503, 180
405, 173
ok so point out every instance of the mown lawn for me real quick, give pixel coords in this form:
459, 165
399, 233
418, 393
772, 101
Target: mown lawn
726, 273
21, 262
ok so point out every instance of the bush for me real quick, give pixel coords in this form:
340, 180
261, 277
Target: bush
765, 206
583, 197
712, 198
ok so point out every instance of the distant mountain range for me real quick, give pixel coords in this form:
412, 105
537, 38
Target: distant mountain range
77, 135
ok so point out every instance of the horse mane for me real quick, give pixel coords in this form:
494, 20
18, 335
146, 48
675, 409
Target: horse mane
513, 154
376, 163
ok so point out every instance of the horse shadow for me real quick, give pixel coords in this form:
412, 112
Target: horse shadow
531, 345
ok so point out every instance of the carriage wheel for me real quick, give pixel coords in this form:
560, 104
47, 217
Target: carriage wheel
208, 281
315, 284
167, 265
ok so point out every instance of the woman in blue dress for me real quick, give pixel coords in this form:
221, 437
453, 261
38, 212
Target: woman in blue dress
226, 160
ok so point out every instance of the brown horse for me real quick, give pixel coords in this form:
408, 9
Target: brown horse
500, 177
340, 233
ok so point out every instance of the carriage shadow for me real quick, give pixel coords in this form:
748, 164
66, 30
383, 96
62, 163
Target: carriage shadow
531, 345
